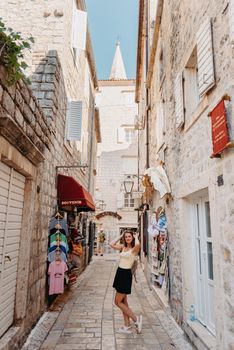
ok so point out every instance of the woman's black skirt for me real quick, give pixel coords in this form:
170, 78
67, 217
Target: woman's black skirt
123, 281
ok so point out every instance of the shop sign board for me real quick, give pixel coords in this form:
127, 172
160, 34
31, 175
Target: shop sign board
220, 137
75, 202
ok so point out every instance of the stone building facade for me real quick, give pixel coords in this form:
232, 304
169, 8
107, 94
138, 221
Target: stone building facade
33, 142
189, 70
117, 154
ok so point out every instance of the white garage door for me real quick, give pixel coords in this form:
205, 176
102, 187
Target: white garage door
11, 209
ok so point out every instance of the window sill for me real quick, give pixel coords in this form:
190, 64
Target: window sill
68, 147
199, 335
127, 208
197, 113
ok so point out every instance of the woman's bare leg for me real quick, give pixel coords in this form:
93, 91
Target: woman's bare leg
119, 301
126, 318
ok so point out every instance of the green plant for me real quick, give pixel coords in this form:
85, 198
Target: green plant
12, 46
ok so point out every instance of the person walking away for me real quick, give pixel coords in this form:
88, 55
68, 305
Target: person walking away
102, 238
123, 278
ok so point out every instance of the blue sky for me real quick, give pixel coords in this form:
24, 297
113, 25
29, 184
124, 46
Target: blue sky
109, 21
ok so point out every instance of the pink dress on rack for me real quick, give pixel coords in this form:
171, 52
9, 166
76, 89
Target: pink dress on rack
56, 271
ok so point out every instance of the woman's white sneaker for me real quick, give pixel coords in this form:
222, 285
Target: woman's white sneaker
138, 324
124, 330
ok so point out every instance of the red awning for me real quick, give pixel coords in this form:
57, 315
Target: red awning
70, 192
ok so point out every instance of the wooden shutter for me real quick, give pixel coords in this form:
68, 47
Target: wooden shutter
75, 29
205, 58
231, 19
159, 126
120, 135
79, 29
74, 120
179, 100
120, 200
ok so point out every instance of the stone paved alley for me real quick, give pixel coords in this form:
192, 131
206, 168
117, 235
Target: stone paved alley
86, 317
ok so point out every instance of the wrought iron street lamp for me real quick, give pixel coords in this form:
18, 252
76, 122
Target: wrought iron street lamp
101, 204
128, 184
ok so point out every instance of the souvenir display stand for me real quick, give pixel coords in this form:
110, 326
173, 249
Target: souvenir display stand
65, 252
159, 253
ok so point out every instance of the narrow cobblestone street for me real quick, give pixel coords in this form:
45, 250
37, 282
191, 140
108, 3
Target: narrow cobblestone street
86, 318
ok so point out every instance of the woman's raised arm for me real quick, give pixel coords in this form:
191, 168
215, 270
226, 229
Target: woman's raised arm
113, 244
137, 246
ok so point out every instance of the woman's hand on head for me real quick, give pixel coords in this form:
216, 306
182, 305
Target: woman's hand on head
136, 235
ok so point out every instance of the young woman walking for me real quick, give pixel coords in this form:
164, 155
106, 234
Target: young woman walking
123, 278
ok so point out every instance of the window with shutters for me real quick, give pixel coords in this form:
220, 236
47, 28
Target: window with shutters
205, 58
128, 201
179, 101
191, 90
196, 79
74, 121
130, 135
79, 30
160, 131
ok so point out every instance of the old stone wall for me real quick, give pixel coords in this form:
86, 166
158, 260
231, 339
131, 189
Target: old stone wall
51, 25
26, 139
33, 122
39, 112
187, 155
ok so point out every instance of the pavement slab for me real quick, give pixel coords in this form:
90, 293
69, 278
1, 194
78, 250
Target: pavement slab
86, 317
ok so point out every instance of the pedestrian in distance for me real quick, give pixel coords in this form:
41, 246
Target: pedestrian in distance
123, 278
101, 242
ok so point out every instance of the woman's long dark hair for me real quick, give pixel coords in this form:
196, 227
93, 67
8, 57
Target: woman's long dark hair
133, 240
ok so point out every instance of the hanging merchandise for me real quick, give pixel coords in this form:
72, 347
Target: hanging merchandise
77, 249
57, 240
153, 227
58, 220
65, 250
158, 229
56, 271
58, 232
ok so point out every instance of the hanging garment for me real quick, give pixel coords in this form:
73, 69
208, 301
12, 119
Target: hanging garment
153, 227
52, 256
162, 223
56, 221
56, 272
58, 241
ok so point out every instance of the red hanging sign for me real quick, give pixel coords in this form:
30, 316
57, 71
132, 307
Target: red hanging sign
220, 138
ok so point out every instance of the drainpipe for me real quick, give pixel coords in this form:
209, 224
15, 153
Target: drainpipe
91, 145
147, 90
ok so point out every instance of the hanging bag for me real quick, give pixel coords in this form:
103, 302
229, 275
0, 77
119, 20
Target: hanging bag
77, 249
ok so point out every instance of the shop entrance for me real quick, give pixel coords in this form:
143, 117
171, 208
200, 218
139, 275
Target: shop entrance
204, 262
11, 211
